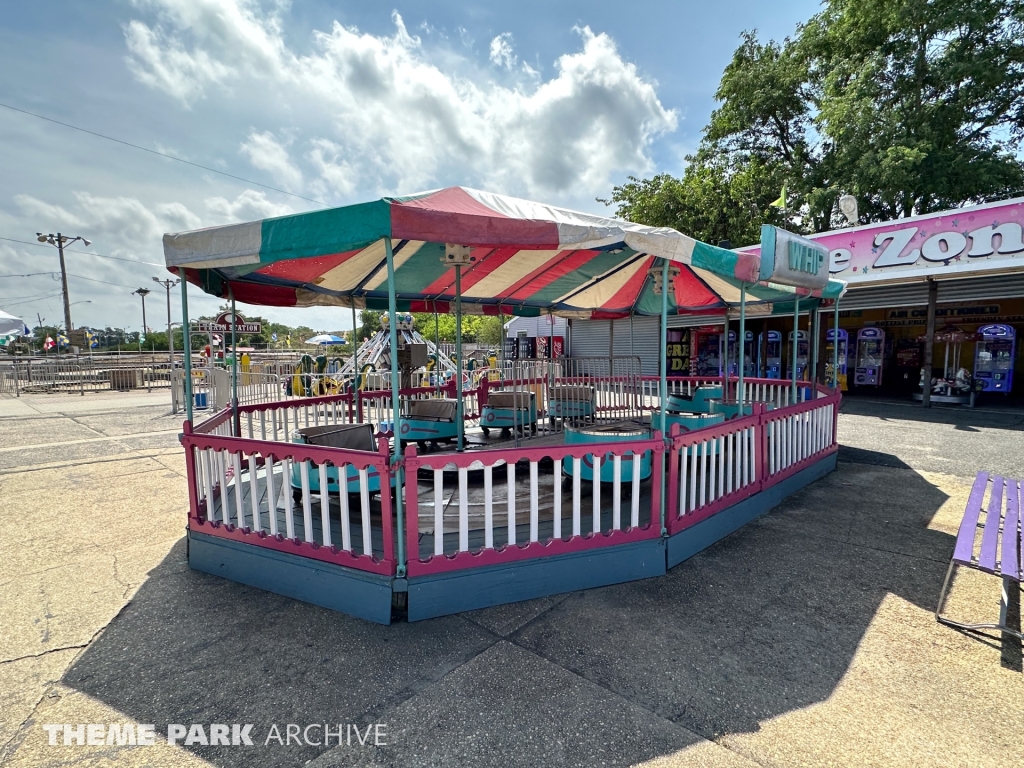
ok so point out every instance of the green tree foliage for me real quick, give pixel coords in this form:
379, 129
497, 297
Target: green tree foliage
910, 105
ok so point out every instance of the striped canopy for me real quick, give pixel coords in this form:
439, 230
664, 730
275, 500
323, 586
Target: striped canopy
529, 259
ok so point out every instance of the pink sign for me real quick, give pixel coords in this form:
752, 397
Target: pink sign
976, 239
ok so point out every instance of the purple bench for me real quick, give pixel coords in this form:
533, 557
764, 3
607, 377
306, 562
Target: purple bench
990, 540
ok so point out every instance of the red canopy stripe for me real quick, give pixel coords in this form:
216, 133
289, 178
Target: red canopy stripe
539, 279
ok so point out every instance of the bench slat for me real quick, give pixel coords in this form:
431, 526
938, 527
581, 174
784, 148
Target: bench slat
964, 550
990, 536
1020, 511
1009, 565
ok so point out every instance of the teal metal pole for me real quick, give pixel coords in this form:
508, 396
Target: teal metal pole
458, 355
187, 343
664, 384
437, 353
796, 342
835, 347
742, 341
396, 404
355, 348
234, 367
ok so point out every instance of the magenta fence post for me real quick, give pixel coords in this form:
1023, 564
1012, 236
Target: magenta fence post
190, 470
387, 530
412, 509
672, 494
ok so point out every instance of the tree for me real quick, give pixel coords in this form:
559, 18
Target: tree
910, 105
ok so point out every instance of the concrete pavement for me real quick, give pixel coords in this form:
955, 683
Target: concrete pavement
806, 638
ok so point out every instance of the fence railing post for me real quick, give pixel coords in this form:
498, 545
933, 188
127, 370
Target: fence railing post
412, 512
190, 470
762, 446
672, 494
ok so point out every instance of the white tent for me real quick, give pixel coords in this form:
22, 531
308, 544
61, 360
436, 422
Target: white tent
12, 326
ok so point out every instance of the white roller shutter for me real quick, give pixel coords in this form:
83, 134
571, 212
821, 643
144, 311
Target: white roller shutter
1010, 286
644, 342
590, 338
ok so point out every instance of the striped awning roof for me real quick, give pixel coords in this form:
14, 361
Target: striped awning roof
530, 259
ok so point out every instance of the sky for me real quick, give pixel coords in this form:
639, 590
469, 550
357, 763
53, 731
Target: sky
334, 102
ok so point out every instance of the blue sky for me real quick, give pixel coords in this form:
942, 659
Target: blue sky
340, 102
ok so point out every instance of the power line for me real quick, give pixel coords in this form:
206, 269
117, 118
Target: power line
87, 253
79, 277
29, 301
162, 154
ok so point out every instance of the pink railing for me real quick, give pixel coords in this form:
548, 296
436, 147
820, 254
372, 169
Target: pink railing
242, 489
552, 521
497, 506
713, 468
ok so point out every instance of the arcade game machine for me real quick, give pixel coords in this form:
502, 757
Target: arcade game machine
749, 355
908, 365
709, 356
801, 355
772, 364
993, 358
830, 346
870, 353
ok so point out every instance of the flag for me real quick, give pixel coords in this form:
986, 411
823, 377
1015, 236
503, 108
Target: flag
62, 340
49, 343
273, 337
781, 202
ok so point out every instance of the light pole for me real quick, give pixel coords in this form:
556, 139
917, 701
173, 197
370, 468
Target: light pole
168, 284
60, 241
142, 292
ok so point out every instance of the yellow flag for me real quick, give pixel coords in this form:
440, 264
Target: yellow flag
781, 202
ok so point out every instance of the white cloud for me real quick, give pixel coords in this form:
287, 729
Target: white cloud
368, 114
501, 51
268, 154
248, 206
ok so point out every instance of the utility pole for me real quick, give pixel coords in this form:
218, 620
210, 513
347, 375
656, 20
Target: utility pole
142, 292
168, 284
60, 241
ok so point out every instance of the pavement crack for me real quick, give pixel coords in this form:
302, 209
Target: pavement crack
48, 652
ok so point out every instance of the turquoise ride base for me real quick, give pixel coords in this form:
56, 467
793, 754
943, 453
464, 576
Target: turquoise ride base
508, 411
607, 433
731, 409
431, 420
356, 437
698, 402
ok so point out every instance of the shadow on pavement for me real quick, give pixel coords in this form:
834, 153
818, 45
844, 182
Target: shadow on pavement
960, 417
762, 623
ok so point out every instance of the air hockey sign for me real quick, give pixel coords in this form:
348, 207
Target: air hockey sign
223, 323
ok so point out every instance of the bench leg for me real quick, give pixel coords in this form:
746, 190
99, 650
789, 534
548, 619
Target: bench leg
942, 594
1007, 585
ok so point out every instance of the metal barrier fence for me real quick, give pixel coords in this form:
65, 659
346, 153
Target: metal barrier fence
81, 375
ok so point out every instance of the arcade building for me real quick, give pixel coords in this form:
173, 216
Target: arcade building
943, 291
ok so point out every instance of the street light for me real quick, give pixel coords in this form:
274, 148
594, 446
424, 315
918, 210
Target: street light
142, 292
60, 241
168, 284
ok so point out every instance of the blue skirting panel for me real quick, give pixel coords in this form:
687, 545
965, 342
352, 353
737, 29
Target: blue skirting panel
440, 595
364, 595
688, 543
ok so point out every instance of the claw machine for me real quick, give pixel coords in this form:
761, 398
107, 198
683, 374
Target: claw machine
831, 376
993, 358
772, 363
801, 355
749, 355
870, 355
